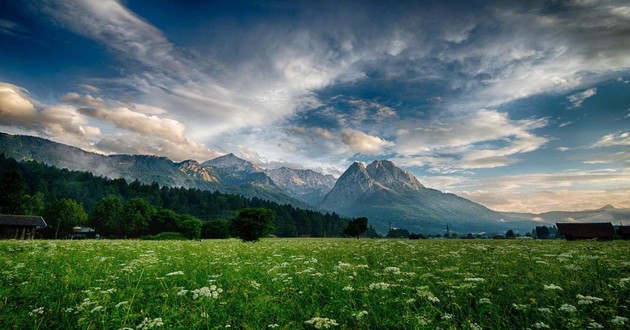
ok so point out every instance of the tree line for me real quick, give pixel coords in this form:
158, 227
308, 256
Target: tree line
117, 208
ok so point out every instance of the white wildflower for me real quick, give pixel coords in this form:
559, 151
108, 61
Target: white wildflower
348, 288
175, 273
447, 316
474, 279
393, 270
485, 301
619, 320
322, 322
552, 287
122, 303
360, 315
433, 299
568, 308
97, 309
541, 325
587, 300
379, 286
36, 311
254, 284
594, 325
273, 326
211, 292
148, 323
410, 301
544, 310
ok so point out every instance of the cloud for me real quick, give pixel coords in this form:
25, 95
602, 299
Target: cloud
140, 123
90, 88
135, 143
613, 139
62, 120
15, 106
619, 157
549, 200
470, 138
577, 99
83, 101
363, 143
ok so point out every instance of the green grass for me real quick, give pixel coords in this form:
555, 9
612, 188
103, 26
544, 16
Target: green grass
289, 283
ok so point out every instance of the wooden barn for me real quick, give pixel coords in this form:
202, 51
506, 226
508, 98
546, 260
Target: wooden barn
593, 230
20, 226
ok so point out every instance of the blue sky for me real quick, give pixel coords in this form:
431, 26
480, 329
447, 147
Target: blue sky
521, 106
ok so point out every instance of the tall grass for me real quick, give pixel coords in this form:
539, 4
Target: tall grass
314, 283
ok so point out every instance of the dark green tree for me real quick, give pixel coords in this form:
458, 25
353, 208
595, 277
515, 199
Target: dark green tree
252, 223
107, 217
137, 214
215, 229
189, 226
371, 232
510, 234
397, 233
35, 205
164, 220
65, 214
12, 190
356, 227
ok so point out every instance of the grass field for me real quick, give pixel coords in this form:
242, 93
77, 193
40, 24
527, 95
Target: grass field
314, 283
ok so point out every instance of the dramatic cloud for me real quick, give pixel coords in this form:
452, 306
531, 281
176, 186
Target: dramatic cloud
445, 89
577, 99
468, 136
363, 143
15, 106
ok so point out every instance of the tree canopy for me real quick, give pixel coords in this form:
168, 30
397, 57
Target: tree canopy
252, 223
356, 227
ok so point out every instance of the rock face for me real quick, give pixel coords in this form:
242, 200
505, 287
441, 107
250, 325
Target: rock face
193, 169
306, 185
389, 195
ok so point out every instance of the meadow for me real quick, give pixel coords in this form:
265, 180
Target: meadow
314, 283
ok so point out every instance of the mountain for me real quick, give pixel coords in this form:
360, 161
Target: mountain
389, 195
306, 185
228, 174
607, 213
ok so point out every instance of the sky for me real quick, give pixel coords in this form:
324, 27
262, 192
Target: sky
518, 105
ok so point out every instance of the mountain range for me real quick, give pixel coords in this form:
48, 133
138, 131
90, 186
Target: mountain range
388, 195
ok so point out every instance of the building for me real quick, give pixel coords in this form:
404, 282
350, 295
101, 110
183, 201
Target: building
593, 230
83, 233
624, 232
20, 226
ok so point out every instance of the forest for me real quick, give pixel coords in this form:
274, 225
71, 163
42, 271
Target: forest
117, 208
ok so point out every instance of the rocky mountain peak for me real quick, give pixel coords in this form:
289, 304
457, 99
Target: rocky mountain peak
194, 169
232, 162
389, 175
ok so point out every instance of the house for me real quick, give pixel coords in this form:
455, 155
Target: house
20, 226
593, 230
83, 232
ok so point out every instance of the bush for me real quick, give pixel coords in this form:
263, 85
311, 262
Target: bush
166, 236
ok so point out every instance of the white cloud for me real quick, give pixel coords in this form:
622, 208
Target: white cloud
468, 135
613, 139
363, 143
140, 123
578, 98
15, 106
83, 101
